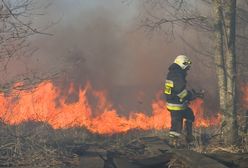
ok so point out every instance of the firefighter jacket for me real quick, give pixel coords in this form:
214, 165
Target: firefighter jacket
177, 96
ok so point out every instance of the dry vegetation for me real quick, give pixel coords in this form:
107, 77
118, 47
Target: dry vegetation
37, 144
34, 144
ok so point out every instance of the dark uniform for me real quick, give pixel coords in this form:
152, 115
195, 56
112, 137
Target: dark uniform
178, 97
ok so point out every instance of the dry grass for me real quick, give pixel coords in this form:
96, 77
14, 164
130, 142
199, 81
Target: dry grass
33, 144
211, 140
37, 144
175, 163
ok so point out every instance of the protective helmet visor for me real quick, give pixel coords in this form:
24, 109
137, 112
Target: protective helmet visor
187, 63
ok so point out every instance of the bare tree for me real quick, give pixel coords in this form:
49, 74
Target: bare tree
225, 31
16, 26
219, 53
19, 146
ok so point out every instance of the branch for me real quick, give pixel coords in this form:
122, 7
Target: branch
22, 23
195, 49
157, 24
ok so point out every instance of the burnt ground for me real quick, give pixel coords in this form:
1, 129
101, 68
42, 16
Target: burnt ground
155, 152
34, 144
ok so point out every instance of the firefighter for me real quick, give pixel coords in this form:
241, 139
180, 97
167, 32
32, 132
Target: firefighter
178, 98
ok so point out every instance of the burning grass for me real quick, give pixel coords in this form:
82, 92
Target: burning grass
38, 104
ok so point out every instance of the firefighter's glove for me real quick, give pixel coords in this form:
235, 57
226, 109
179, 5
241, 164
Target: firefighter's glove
195, 94
201, 94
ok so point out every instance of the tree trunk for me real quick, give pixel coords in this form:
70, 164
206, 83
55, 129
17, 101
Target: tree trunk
230, 130
225, 60
219, 55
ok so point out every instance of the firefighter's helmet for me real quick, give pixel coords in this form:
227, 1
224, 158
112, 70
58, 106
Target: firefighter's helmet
183, 61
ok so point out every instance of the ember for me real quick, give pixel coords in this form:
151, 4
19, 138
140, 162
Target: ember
38, 104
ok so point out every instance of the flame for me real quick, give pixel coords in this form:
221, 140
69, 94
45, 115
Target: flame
201, 120
38, 104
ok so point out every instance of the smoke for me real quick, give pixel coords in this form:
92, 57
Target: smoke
102, 44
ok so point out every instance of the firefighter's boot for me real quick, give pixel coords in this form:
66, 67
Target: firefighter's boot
189, 137
175, 139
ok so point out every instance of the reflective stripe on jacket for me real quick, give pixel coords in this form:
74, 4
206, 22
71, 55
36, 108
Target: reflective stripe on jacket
176, 107
177, 96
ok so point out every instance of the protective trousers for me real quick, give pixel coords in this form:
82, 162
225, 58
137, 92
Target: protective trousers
177, 117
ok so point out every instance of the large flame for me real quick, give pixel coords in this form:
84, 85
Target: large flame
38, 104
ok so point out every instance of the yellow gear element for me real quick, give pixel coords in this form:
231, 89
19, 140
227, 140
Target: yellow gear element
175, 107
182, 95
168, 86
